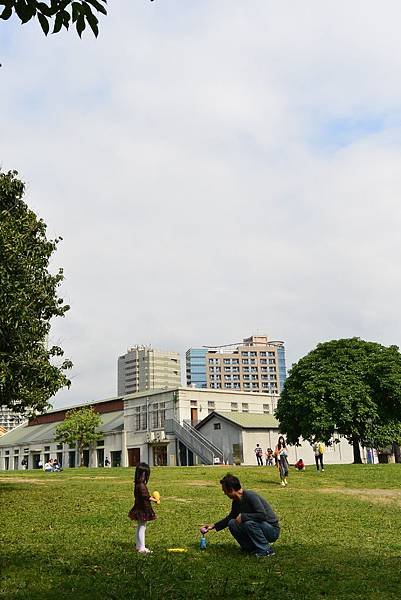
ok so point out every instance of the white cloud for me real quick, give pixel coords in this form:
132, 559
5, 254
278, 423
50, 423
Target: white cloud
195, 162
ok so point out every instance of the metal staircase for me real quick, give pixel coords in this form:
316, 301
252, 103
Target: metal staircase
194, 441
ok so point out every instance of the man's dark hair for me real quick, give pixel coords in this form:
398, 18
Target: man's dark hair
230, 482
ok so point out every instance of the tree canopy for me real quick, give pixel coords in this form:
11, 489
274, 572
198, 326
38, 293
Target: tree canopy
79, 427
56, 13
348, 386
28, 301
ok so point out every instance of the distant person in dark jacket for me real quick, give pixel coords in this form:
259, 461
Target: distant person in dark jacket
252, 521
259, 455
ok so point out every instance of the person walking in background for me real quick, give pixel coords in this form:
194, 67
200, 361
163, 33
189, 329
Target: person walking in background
259, 455
142, 511
282, 461
252, 521
318, 449
269, 457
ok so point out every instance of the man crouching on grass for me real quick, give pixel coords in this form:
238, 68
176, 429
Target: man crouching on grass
251, 521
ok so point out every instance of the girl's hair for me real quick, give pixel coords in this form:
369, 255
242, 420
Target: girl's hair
281, 442
142, 473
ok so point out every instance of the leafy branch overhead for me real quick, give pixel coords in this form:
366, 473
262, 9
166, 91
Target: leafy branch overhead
56, 13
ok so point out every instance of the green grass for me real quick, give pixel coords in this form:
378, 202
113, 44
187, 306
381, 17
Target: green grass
66, 535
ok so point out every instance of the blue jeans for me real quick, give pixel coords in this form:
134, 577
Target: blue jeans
254, 536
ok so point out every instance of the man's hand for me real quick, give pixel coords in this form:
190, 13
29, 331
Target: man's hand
205, 528
238, 519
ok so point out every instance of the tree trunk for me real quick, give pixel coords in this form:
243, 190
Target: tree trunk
357, 451
81, 456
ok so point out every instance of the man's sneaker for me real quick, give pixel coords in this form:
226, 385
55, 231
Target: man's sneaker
283, 483
269, 552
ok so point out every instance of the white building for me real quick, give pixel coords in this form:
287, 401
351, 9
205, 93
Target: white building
161, 427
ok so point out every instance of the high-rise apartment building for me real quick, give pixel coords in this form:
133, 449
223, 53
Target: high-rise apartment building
9, 419
143, 368
256, 365
196, 367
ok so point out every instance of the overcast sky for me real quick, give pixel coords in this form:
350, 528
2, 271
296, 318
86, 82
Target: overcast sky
216, 169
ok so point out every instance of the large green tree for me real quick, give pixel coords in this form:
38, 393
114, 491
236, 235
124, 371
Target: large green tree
30, 371
350, 386
79, 427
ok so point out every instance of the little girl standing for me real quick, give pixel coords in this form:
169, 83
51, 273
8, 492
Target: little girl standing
142, 510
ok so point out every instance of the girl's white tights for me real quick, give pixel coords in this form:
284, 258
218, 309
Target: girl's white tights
140, 535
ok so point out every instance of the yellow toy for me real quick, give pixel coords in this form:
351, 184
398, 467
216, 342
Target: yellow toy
156, 496
177, 550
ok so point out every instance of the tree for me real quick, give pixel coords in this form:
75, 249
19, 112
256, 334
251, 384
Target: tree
28, 301
64, 12
79, 427
349, 386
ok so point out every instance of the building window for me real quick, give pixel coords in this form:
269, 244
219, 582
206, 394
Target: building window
59, 447
271, 354
217, 426
253, 353
98, 443
47, 448
271, 361
235, 361
245, 361
262, 354
266, 409
211, 404
245, 408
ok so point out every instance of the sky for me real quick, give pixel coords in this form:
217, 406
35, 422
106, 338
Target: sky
216, 170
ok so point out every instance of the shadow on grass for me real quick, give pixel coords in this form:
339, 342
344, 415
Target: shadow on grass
116, 572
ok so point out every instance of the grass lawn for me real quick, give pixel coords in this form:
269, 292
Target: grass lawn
66, 535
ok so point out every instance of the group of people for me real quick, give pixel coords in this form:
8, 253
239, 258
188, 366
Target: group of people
269, 456
52, 465
280, 458
252, 521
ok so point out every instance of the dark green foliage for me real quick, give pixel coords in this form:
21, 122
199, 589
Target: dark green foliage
28, 301
79, 427
57, 12
348, 385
